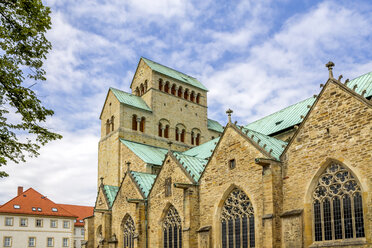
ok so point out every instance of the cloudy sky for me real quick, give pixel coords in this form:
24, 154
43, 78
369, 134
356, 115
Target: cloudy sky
255, 57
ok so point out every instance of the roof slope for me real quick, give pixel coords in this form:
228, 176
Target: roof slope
215, 126
193, 165
273, 146
204, 150
110, 192
31, 199
291, 115
174, 74
363, 82
149, 154
130, 100
282, 119
80, 211
144, 181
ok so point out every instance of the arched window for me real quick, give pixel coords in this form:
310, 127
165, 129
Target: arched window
142, 124
134, 122
160, 84
166, 88
183, 132
192, 96
173, 90
186, 94
137, 91
145, 85
166, 131
179, 93
160, 130
198, 98
172, 229
337, 205
112, 123
197, 142
107, 126
128, 232
142, 88
177, 134
192, 137
237, 221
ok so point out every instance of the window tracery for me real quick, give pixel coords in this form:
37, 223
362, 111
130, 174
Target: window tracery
337, 205
129, 232
172, 229
237, 221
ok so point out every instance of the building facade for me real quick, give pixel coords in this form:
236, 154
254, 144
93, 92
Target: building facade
32, 220
170, 177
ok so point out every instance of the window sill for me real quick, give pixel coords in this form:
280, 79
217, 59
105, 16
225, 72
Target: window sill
333, 243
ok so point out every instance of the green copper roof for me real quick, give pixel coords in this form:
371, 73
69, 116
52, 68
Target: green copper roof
144, 181
271, 145
174, 74
193, 165
110, 192
130, 100
215, 126
204, 150
363, 82
282, 119
291, 115
149, 154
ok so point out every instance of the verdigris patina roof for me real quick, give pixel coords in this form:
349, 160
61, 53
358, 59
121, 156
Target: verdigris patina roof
110, 192
174, 74
215, 126
290, 116
144, 181
204, 150
130, 100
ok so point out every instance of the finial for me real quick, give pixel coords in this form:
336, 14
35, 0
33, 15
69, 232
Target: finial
339, 78
346, 81
330, 66
169, 145
229, 112
364, 92
101, 178
128, 166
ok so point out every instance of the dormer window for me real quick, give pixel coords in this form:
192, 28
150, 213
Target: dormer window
39, 209
54, 210
33, 209
16, 206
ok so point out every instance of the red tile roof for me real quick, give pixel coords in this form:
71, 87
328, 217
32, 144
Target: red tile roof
81, 211
31, 199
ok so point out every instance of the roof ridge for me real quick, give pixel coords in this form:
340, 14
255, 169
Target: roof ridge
167, 67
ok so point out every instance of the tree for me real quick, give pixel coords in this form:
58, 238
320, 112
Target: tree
23, 24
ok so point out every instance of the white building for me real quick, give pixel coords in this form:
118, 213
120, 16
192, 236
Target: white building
32, 220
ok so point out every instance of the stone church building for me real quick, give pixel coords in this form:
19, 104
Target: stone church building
169, 177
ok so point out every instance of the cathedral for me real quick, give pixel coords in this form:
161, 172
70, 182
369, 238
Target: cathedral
170, 177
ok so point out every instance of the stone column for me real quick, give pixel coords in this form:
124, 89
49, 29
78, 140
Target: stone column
138, 123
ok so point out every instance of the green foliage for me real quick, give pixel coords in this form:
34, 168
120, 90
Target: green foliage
23, 24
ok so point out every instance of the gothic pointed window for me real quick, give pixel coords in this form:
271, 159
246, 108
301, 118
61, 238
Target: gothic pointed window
128, 232
172, 229
237, 221
337, 205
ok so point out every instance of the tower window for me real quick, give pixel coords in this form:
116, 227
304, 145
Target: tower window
198, 98
160, 84
107, 126
186, 94
179, 94
192, 96
173, 90
166, 88
160, 130
142, 124
166, 131
112, 123
134, 122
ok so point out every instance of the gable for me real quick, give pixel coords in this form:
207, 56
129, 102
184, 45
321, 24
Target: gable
101, 201
170, 169
336, 113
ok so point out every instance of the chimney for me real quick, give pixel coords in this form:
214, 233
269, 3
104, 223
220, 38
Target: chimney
20, 190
